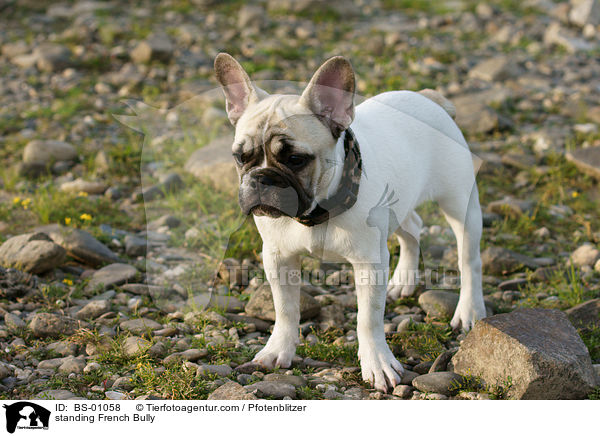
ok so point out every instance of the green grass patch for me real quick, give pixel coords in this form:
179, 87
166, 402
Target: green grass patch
427, 340
415, 6
53, 206
474, 383
325, 350
591, 339
176, 382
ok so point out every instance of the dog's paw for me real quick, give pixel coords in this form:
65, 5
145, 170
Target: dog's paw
400, 291
274, 354
379, 367
467, 314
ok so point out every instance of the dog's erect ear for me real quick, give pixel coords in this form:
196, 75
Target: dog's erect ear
238, 90
330, 94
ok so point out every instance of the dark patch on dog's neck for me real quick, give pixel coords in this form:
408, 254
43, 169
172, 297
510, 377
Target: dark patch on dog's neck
347, 191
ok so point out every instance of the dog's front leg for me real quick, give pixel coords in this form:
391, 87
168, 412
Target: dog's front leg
378, 364
283, 274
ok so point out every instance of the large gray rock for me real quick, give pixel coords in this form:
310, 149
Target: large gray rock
111, 275
44, 325
47, 151
538, 349
586, 159
438, 304
31, 252
215, 164
231, 391
261, 304
80, 244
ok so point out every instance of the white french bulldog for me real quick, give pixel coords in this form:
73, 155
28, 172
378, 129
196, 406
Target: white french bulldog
324, 177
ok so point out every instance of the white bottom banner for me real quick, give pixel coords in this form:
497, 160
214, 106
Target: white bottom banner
300, 417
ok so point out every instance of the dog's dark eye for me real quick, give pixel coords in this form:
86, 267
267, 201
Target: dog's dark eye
240, 158
297, 160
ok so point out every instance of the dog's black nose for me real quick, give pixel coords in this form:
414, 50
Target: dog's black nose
267, 180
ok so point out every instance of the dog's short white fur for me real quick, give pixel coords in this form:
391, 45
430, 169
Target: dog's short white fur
410, 146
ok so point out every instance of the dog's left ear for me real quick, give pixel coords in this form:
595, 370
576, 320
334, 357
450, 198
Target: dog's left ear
330, 94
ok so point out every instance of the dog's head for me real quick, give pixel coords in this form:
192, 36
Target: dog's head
285, 144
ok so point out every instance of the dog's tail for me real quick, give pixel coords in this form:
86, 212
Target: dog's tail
439, 99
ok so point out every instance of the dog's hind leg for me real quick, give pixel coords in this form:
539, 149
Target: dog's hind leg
463, 213
404, 280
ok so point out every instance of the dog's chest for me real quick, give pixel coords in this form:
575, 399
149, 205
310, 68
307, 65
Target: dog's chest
324, 241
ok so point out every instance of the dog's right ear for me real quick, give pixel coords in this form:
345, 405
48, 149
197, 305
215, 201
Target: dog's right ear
330, 94
236, 85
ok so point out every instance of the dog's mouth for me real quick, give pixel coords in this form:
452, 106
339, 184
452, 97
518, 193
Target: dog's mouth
268, 192
266, 210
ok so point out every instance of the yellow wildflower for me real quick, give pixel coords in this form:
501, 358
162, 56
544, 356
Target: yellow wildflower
67, 220
82, 194
85, 217
575, 194
68, 282
25, 203
16, 200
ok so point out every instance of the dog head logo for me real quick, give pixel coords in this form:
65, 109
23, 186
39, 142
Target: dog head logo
26, 415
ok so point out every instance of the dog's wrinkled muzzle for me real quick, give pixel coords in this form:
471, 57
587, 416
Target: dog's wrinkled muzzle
267, 191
